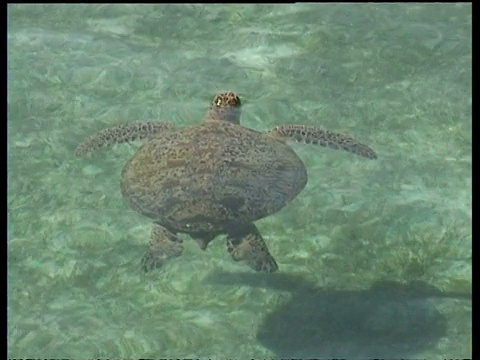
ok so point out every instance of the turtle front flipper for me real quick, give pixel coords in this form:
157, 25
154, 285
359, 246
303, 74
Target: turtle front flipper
318, 136
138, 130
163, 245
246, 243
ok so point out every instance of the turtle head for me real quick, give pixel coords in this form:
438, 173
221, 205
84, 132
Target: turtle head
225, 107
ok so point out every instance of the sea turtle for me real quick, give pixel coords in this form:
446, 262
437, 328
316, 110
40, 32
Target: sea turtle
213, 178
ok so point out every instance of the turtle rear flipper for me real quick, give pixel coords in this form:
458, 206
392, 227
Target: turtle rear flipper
163, 245
246, 243
134, 131
318, 136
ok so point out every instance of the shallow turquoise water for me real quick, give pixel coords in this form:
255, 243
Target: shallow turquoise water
374, 256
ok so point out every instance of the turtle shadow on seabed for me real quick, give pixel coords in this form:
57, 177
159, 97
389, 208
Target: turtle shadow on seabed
388, 320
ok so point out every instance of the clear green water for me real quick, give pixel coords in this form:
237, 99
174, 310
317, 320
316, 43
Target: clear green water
374, 256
